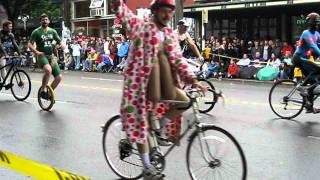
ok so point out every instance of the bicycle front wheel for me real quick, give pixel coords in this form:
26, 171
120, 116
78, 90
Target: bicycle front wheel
20, 85
208, 101
213, 153
121, 155
285, 101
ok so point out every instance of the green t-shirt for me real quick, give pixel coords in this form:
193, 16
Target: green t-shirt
44, 40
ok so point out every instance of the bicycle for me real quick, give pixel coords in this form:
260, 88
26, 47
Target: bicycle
123, 157
20, 83
288, 102
208, 101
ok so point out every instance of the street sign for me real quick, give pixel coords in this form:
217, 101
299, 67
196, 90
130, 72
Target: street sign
205, 16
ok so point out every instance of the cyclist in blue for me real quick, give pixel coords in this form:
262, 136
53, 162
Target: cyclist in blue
308, 42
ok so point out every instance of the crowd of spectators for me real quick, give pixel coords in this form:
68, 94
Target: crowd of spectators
224, 57
260, 59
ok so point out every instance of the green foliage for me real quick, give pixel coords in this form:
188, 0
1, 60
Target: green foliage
33, 8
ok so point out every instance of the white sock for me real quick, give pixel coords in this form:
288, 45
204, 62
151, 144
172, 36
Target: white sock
145, 160
164, 121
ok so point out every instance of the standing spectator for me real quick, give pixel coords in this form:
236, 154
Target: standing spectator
207, 52
106, 46
76, 52
123, 51
267, 49
276, 49
100, 47
230, 51
255, 49
68, 60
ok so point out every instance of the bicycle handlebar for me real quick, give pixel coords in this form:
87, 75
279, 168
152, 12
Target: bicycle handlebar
11, 57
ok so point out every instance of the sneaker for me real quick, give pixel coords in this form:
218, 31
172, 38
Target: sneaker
163, 141
152, 173
45, 95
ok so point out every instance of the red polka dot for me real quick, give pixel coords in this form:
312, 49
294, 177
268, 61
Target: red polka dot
130, 97
134, 86
131, 120
133, 140
142, 123
135, 102
159, 110
139, 112
136, 134
170, 48
138, 79
138, 53
184, 66
146, 69
173, 132
154, 41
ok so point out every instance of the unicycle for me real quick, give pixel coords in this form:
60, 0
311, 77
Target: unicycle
46, 103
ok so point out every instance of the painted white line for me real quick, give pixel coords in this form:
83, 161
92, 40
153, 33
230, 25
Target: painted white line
36, 99
314, 137
101, 79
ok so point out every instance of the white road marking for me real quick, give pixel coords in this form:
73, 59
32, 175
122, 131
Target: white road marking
314, 137
101, 79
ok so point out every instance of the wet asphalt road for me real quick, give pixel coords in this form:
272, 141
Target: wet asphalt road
69, 137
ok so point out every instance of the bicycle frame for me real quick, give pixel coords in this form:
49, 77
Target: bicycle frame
12, 68
303, 83
195, 122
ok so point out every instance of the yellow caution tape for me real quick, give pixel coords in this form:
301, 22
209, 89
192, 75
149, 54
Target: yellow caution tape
34, 169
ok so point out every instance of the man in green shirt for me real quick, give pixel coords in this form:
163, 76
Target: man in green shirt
45, 39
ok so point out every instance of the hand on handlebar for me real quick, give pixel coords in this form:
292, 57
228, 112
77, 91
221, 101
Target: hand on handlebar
200, 86
201, 59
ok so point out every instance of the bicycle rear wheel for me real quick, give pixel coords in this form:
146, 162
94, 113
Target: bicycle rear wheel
284, 100
20, 85
213, 153
46, 103
121, 155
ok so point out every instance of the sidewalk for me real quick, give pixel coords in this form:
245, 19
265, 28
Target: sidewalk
119, 76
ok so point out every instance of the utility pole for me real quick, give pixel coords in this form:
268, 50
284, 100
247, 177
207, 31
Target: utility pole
179, 12
66, 12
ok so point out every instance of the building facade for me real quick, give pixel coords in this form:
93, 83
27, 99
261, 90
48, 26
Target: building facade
251, 19
94, 17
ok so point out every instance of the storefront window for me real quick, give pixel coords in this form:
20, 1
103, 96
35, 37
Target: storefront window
81, 9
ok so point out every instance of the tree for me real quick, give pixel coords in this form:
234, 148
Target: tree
33, 8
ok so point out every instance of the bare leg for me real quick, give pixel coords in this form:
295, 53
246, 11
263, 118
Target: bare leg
47, 73
56, 81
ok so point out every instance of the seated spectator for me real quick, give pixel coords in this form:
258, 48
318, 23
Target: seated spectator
222, 70
98, 60
271, 70
287, 68
286, 47
258, 61
245, 61
92, 56
105, 64
233, 70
